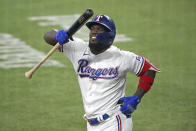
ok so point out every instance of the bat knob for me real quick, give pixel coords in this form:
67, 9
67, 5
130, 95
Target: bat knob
28, 74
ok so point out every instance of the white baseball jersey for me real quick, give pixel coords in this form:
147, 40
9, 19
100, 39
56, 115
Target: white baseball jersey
102, 77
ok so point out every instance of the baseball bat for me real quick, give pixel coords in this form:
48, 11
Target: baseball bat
71, 31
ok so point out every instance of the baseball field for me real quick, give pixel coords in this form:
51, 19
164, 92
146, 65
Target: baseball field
161, 30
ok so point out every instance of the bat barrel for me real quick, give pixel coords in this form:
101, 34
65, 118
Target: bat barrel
80, 22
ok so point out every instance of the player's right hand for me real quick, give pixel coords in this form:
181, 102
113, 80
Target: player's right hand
62, 37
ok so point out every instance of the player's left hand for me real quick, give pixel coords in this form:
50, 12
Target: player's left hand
62, 37
129, 104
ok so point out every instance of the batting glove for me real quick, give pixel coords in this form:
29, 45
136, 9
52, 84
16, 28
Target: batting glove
62, 37
129, 104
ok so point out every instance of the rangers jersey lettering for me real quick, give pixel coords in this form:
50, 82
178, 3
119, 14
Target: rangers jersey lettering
84, 70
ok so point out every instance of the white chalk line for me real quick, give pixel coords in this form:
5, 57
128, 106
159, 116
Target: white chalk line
15, 53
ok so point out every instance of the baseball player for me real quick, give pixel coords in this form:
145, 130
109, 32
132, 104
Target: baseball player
101, 69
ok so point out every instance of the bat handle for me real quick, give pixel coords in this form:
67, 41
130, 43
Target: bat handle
29, 73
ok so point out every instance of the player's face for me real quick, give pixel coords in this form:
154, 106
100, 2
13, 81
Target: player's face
95, 29
94, 45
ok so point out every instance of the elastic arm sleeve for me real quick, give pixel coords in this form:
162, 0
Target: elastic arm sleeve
147, 81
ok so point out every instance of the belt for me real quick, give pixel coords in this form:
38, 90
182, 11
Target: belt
97, 120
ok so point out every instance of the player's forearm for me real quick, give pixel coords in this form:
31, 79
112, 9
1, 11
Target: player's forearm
49, 37
140, 90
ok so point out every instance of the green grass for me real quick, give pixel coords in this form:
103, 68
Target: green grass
163, 31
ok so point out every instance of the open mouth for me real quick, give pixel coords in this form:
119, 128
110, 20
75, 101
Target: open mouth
93, 39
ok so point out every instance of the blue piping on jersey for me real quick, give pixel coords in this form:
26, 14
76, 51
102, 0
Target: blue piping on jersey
141, 66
